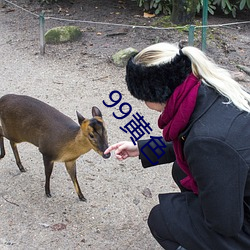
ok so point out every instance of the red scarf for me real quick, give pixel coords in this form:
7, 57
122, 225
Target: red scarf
174, 119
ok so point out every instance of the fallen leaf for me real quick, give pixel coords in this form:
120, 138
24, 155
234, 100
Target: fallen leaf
58, 227
147, 15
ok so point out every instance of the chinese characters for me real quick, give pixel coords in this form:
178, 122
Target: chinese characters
137, 126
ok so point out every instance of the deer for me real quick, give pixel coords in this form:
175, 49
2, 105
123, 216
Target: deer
58, 138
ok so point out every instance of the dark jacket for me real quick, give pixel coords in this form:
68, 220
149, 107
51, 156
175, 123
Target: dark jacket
216, 145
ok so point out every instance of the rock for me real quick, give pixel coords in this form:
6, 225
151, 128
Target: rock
62, 34
239, 76
2, 3
45, 225
244, 68
147, 193
120, 58
136, 201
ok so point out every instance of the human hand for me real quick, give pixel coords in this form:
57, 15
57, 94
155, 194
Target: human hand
123, 150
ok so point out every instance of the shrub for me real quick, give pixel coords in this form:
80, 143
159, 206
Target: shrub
156, 6
165, 6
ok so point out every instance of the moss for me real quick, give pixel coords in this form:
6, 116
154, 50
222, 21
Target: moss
63, 34
163, 22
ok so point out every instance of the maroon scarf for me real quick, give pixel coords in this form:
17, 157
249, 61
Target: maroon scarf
174, 119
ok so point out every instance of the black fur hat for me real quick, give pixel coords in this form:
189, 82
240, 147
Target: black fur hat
156, 83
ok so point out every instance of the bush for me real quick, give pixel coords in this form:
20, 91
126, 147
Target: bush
156, 6
165, 6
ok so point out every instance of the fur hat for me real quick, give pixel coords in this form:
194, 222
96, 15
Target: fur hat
156, 83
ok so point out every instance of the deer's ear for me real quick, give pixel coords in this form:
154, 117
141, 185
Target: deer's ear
96, 111
80, 118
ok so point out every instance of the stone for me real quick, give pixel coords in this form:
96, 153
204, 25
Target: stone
121, 58
63, 34
2, 3
239, 76
147, 193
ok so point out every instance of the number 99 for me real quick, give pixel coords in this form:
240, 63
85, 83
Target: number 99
125, 113
115, 102
111, 98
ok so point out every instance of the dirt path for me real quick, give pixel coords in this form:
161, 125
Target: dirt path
115, 214
74, 77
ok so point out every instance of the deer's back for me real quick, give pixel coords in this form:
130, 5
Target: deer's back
24, 118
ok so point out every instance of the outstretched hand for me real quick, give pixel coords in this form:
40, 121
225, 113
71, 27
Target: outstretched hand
123, 150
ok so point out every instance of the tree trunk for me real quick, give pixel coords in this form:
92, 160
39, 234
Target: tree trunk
183, 11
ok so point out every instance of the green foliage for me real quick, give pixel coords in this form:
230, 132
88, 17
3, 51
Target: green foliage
244, 4
226, 6
231, 6
211, 7
157, 6
165, 6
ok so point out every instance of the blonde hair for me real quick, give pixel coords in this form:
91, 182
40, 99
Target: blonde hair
202, 67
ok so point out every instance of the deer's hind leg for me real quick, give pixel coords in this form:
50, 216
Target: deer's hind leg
1, 144
18, 161
71, 168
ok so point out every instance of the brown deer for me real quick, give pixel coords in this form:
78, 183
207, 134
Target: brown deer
59, 138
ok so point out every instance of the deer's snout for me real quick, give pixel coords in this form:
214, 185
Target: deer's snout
106, 156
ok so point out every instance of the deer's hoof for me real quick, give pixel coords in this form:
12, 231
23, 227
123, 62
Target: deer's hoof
82, 198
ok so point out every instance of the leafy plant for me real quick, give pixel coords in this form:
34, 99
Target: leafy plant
211, 7
227, 7
165, 6
158, 6
244, 3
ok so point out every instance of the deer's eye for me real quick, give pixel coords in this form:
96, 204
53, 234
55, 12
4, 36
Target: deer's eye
91, 136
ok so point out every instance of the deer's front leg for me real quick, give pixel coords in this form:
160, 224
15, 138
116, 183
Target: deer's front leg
48, 165
71, 168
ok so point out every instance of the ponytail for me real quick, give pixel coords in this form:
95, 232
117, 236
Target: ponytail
218, 78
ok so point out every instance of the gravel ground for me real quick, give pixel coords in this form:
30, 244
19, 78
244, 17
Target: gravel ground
77, 76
